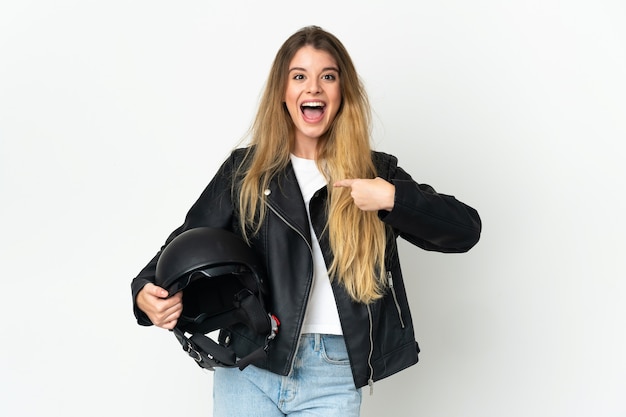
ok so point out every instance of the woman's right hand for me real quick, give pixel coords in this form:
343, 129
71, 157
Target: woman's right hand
162, 311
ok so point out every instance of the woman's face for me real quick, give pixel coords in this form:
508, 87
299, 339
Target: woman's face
313, 93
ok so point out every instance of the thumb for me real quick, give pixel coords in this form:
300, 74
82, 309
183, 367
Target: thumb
157, 291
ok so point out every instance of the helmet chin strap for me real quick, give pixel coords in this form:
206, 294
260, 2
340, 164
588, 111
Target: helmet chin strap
208, 354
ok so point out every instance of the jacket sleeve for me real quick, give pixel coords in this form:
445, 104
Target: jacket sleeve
213, 208
432, 221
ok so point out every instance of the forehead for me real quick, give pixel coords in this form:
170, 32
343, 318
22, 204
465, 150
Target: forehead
309, 58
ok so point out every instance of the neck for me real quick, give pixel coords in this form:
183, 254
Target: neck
306, 149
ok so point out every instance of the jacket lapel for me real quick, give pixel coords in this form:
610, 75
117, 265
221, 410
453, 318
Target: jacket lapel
285, 198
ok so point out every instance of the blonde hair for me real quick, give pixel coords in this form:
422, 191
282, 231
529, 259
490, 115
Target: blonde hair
357, 238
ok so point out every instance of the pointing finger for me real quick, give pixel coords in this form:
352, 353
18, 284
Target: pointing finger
344, 183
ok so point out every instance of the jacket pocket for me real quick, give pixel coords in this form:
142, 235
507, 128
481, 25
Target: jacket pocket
395, 298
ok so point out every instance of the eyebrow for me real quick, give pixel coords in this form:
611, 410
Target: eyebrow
323, 69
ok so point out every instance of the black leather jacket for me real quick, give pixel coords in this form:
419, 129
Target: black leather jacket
379, 337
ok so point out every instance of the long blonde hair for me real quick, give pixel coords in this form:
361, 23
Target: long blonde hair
357, 238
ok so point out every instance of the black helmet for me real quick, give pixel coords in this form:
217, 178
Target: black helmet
224, 285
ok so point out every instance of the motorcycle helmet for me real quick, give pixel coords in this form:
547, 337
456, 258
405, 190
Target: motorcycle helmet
223, 284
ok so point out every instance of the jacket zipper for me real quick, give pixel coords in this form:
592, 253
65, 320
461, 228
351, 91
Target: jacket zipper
370, 381
395, 297
293, 359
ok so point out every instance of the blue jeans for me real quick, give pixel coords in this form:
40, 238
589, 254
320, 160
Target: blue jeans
320, 384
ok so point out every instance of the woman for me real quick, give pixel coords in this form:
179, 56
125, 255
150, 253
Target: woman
323, 211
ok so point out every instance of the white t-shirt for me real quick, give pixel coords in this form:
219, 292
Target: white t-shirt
321, 314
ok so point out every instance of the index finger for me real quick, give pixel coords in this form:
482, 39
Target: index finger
344, 183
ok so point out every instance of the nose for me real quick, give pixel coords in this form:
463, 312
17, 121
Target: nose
314, 86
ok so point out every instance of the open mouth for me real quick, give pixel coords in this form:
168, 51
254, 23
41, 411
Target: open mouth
312, 111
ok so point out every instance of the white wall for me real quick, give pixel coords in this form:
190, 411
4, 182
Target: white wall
114, 115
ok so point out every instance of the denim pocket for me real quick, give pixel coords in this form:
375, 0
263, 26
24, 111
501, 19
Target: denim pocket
333, 350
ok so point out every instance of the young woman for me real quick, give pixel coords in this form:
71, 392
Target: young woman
323, 210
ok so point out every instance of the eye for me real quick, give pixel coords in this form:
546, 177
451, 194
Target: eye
298, 77
329, 77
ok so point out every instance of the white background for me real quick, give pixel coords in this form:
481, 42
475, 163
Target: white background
115, 114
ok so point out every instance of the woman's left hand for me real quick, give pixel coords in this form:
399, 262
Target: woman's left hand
370, 194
